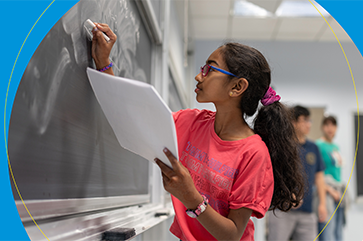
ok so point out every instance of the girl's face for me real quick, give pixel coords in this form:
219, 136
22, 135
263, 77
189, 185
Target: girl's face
214, 87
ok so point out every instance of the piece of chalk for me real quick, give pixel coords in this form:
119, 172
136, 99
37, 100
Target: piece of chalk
118, 234
89, 25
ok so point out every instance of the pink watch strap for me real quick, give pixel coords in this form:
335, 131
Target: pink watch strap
200, 209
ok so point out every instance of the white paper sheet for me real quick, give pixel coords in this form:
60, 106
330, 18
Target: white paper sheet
141, 120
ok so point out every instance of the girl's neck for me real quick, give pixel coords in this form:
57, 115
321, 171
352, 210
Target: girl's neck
230, 125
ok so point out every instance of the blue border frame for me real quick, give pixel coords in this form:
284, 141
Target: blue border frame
18, 17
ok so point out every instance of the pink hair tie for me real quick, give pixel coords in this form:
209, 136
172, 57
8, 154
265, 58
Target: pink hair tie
270, 97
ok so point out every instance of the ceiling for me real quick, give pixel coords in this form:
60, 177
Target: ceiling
211, 19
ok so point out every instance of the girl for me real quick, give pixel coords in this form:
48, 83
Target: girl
227, 171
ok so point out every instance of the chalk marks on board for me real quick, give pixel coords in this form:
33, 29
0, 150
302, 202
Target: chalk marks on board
60, 143
41, 102
123, 19
72, 28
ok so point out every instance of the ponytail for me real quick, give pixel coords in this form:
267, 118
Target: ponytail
274, 124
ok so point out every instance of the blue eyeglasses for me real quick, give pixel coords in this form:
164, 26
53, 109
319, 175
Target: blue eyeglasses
205, 70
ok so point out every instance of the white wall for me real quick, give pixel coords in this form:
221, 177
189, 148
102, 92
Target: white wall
314, 75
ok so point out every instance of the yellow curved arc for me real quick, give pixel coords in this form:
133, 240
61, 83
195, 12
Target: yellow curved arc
6, 145
355, 91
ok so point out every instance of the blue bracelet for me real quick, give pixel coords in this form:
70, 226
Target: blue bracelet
106, 68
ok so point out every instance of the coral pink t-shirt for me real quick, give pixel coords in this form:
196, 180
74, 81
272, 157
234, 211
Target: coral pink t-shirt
231, 174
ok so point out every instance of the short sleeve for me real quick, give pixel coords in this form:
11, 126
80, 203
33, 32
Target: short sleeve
254, 184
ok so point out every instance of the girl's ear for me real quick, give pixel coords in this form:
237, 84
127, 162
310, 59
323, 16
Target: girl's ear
239, 87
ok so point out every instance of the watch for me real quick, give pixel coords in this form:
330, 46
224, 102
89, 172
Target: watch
200, 209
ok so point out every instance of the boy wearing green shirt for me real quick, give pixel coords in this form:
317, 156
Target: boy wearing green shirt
333, 163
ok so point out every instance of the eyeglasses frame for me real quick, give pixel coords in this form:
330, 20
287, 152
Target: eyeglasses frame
218, 69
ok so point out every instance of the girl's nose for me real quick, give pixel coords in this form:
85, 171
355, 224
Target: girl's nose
199, 77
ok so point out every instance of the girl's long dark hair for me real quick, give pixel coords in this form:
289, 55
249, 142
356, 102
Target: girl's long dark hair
273, 123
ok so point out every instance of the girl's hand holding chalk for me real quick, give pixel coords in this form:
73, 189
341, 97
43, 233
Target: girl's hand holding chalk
89, 26
100, 47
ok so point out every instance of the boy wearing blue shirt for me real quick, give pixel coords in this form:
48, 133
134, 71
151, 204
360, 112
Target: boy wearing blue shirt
301, 222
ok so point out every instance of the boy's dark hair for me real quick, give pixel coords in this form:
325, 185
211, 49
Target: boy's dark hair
273, 123
298, 111
329, 119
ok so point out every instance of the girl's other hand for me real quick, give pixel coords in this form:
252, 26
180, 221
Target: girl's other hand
178, 182
100, 47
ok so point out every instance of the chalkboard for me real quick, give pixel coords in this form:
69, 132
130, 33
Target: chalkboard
60, 143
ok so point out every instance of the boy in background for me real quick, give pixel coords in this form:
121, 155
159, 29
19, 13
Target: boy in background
334, 186
301, 222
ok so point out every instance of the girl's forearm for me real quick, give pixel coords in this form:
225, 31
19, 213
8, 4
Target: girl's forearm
225, 228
